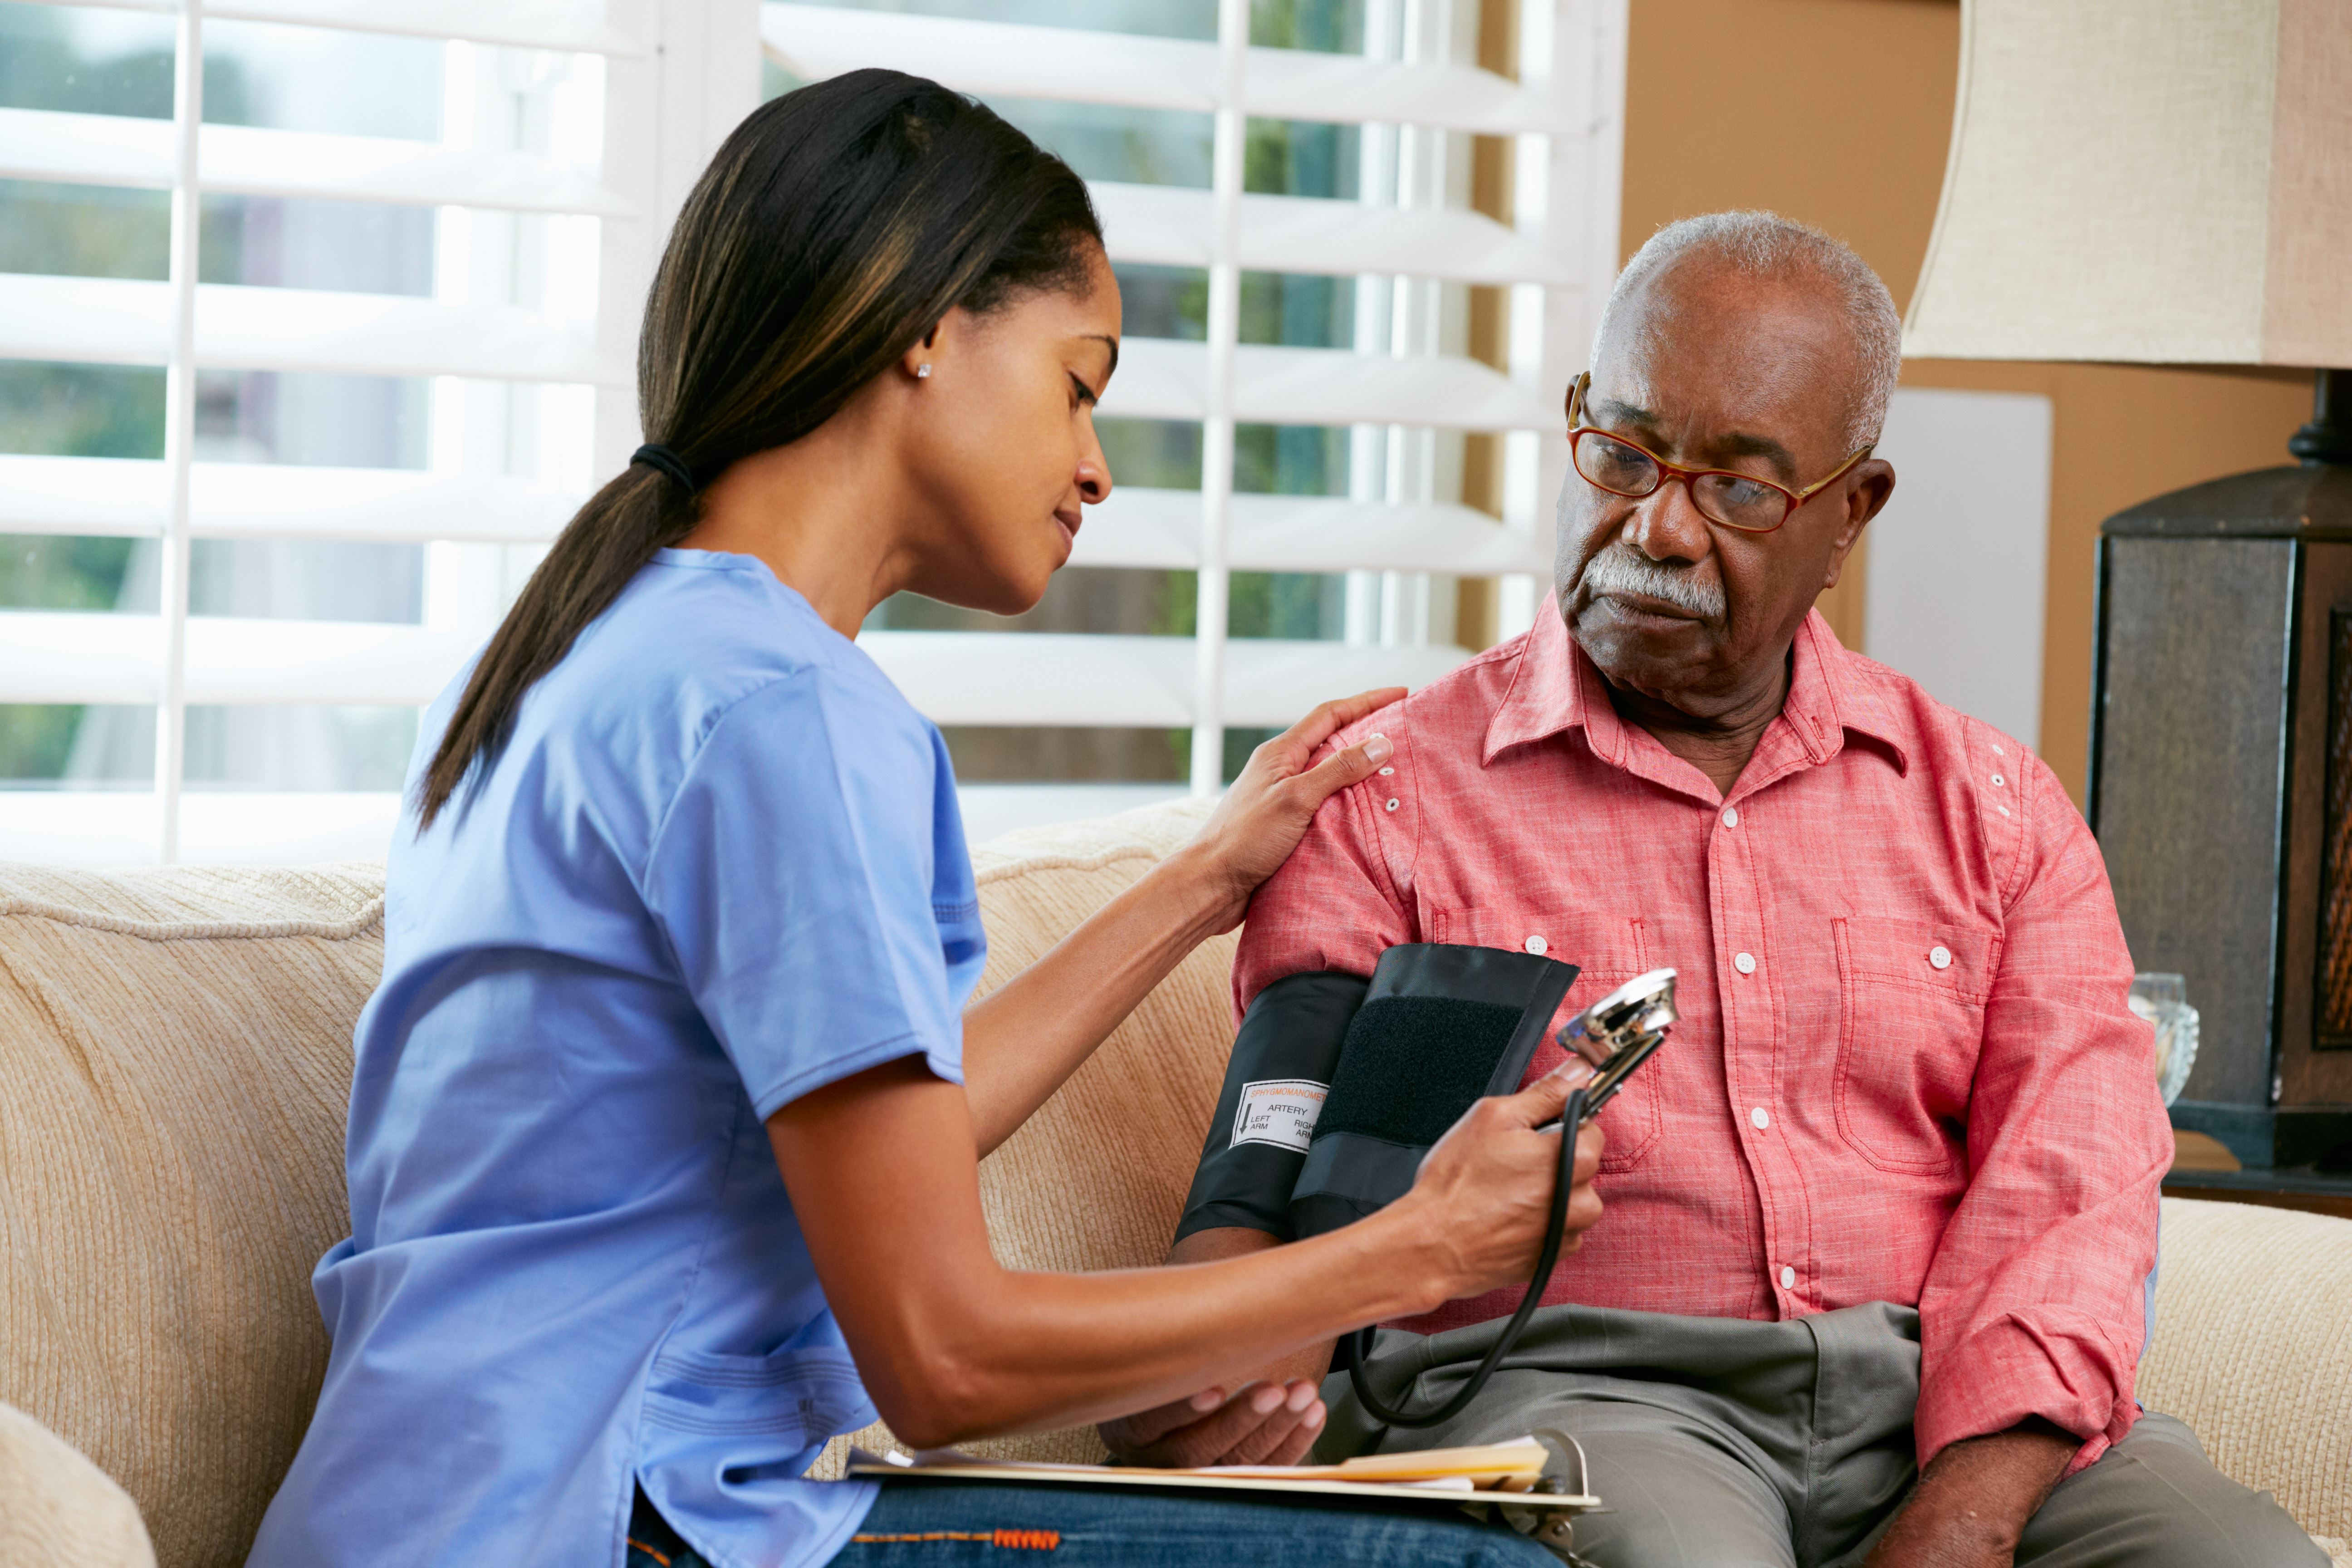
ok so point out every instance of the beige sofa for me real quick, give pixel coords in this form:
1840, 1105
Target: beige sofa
175, 1055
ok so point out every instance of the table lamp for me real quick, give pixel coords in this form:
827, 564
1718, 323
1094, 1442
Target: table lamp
2171, 181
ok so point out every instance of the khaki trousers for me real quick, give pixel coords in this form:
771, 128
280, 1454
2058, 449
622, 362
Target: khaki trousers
1721, 1443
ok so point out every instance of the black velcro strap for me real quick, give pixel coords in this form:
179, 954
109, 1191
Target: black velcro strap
1441, 1025
1411, 1065
1282, 1060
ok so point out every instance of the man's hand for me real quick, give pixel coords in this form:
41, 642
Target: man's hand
1974, 1499
1264, 1424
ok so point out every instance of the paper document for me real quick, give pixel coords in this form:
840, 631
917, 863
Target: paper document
1501, 1473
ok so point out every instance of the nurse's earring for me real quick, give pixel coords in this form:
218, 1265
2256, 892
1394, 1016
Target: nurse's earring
922, 372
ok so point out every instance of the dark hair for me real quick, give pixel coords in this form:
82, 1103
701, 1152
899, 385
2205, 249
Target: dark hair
829, 235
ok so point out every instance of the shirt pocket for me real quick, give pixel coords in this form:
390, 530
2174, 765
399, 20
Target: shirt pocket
1911, 1022
1609, 951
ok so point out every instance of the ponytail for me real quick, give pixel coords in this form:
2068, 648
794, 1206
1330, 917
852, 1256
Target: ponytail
832, 230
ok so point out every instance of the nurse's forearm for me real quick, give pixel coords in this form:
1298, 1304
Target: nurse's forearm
1034, 1030
1030, 1034
882, 1179
1220, 1242
951, 1345
1033, 1351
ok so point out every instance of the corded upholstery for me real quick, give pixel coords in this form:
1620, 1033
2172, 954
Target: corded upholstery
2253, 1350
176, 1047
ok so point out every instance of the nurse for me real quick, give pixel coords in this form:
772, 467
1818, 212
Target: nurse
666, 1115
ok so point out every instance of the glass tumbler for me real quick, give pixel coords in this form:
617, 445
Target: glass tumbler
2163, 1001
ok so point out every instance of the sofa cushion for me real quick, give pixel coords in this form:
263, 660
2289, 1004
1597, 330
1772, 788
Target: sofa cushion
61, 1509
2253, 1350
176, 1047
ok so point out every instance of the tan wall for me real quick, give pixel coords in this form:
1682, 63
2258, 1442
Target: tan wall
1838, 113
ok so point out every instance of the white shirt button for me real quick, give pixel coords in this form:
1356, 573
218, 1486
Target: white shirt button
1731, 816
1998, 780
1787, 1278
1941, 957
2002, 809
1761, 1117
1386, 771
1744, 962
1392, 805
1538, 946
1999, 752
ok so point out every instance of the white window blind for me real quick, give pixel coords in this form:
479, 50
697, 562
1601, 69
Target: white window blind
569, 131
1409, 240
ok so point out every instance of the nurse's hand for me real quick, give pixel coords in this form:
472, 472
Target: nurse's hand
1485, 1189
1265, 814
1272, 1423
1021, 1039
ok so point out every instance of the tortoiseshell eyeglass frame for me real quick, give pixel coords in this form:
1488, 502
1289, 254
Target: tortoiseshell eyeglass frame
1669, 472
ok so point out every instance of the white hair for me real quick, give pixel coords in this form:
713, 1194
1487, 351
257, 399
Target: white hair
1767, 246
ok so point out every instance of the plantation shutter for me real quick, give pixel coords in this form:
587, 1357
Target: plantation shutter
549, 222
552, 207
1419, 92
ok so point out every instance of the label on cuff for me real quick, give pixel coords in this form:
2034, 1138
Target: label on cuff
1280, 1111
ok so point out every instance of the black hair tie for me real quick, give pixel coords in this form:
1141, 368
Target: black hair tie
655, 456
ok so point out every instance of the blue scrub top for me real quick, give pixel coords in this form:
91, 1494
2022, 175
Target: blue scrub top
716, 865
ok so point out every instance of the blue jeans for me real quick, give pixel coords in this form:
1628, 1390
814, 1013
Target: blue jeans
941, 1525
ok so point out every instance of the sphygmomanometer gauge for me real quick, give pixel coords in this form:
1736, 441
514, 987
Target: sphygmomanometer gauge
1628, 1024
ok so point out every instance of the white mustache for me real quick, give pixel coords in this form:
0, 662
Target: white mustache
1621, 569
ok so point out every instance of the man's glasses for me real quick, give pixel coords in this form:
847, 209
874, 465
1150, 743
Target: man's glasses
1736, 500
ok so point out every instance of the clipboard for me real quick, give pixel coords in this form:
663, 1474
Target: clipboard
1515, 1478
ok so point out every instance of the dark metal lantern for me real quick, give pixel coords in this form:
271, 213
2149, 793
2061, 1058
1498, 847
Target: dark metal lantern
2221, 780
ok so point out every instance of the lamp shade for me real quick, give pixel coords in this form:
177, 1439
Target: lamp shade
2146, 180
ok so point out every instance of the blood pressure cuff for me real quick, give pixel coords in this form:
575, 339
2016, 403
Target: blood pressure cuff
1337, 1085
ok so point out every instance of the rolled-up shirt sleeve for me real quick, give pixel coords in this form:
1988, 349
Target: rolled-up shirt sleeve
1334, 904
2033, 1303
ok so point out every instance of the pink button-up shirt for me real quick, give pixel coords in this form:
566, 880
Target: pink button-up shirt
1904, 1070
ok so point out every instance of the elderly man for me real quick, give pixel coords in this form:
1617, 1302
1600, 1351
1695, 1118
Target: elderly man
1880, 1216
